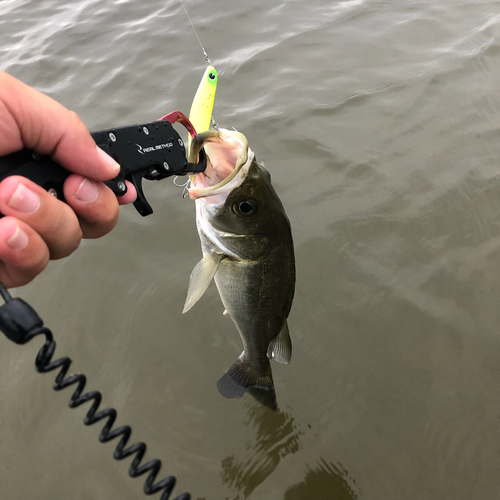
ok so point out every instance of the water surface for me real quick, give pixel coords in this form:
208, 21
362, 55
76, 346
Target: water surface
379, 122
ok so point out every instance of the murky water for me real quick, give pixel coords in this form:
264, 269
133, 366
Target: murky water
380, 123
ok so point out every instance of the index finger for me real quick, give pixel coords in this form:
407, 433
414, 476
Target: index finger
31, 119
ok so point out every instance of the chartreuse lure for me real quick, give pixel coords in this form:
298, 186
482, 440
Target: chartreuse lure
200, 114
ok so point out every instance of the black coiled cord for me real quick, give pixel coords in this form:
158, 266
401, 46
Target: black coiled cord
20, 323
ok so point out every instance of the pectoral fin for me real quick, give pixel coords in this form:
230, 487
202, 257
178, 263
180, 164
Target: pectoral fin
280, 348
200, 278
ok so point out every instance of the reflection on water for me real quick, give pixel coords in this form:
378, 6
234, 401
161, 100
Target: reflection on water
325, 482
276, 436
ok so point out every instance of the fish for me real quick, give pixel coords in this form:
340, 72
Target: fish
247, 248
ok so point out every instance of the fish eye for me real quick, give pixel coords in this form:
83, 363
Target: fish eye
211, 76
246, 208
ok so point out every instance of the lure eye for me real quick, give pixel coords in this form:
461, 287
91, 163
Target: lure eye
246, 208
211, 76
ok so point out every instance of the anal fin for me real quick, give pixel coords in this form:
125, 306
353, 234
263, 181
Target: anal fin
280, 348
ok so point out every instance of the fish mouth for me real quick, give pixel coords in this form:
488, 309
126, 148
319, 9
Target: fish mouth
228, 159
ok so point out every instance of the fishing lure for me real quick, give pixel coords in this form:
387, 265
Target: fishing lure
200, 114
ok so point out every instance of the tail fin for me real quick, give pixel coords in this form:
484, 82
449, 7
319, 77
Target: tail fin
240, 378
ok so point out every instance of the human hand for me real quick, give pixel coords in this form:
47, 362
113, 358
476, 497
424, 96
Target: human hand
37, 226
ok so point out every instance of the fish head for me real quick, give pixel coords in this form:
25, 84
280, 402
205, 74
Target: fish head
234, 193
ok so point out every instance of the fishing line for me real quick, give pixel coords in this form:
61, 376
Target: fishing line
196, 34
214, 124
203, 100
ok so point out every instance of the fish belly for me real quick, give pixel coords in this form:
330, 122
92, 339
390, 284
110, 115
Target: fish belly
248, 296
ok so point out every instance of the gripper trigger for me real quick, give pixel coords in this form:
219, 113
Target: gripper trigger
140, 203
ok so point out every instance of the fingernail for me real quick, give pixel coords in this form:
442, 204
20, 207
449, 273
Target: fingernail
24, 200
87, 191
18, 240
109, 161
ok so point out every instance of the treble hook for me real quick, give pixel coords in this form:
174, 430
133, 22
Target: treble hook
185, 185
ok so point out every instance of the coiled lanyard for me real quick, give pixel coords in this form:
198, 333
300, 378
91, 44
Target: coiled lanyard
20, 323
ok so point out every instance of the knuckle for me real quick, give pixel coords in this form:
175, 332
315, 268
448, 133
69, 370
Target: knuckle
30, 268
18, 270
102, 218
65, 243
76, 120
111, 217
